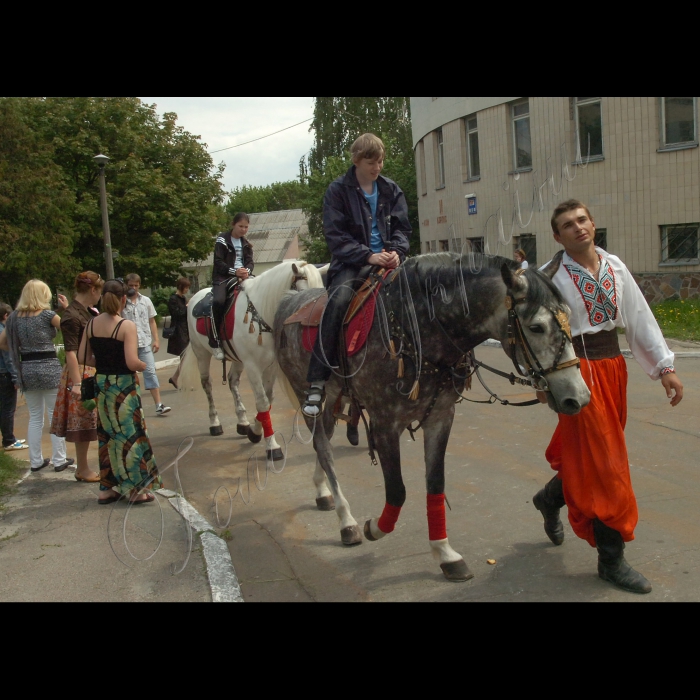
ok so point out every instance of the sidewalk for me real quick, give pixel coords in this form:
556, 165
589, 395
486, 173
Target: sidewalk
55, 542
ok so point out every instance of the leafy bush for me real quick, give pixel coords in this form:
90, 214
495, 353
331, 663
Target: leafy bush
160, 297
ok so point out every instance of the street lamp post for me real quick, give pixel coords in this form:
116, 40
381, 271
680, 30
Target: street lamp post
102, 160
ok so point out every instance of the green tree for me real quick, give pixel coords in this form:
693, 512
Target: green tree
36, 233
338, 121
278, 196
164, 192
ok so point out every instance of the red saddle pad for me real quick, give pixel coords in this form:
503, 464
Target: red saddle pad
204, 324
356, 331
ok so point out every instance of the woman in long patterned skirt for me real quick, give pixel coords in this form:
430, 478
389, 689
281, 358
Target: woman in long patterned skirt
127, 465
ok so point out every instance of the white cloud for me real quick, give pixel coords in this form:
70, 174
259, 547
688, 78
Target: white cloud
227, 121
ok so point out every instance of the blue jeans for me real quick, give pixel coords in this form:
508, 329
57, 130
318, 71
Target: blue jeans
8, 404
150, 377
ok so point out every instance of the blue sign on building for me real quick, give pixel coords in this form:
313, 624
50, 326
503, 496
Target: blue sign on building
472, 205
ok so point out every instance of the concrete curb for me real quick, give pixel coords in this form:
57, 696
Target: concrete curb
221, 574
162, 364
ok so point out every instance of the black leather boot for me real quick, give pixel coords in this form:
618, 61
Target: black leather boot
611, 561
549, 501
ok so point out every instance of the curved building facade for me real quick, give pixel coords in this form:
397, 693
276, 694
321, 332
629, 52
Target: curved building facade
490, 170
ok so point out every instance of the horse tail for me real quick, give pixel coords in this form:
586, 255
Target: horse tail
288, 390
189, 378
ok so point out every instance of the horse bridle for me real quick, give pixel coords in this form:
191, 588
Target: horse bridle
517, 338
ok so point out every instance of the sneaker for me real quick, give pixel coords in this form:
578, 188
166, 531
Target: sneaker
16, 446
315, 395
218, 354
162, 409
63, 466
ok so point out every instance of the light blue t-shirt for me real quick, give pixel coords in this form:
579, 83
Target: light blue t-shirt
238, 247
376, 242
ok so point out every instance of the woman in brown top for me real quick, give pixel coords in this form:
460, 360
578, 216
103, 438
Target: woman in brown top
70, 419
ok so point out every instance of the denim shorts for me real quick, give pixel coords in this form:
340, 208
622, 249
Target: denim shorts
150, 377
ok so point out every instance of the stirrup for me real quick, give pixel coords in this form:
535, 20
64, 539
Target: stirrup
315, 403
219, 354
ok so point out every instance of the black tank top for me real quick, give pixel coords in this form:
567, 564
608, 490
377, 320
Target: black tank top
109, 354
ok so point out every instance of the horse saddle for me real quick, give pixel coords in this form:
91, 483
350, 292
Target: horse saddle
357, 326
204, 315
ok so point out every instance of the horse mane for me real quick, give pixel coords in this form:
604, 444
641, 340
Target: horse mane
541, 291
267, 289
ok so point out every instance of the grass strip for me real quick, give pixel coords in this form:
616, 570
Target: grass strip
679, 319
10, 471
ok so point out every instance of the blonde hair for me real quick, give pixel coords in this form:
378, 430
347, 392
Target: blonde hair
36, 296
367, 146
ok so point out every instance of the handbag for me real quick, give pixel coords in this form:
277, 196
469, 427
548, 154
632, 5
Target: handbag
88, 385
168, 329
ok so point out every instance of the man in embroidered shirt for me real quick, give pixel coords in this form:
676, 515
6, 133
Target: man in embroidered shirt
588, 450
141, 311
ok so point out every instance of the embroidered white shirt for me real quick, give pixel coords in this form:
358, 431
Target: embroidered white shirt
613, 301
141, 312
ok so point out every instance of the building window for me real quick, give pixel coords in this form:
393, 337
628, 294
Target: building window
678, 117
601, 238
589, 126
444, 246
528, 243
522, 144
439, 160
427, 246
679, 244
421, 164
456, 245
433, 247
472, 142
475, 245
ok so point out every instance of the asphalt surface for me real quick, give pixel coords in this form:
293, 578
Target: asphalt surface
53, 543
284, 549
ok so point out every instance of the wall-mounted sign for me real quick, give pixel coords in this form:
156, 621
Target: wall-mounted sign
471, 203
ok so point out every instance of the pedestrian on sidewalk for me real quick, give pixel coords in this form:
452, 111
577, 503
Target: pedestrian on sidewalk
588, 450
127, 465
141, 311
71, 420
9, 383
28, 336
177, 306
521, 258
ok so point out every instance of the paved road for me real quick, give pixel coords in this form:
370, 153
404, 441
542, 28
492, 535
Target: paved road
284, 549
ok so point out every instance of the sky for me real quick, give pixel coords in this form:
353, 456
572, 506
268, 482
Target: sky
227, 121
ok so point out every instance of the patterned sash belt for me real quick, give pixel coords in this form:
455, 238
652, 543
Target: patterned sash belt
603, 345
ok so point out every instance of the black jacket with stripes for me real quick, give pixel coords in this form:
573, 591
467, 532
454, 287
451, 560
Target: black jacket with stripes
225, 257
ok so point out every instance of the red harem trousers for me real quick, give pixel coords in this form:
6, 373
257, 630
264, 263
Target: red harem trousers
589, 452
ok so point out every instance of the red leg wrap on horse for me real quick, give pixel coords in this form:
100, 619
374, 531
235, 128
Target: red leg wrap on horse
389, 517
266, 422
437, 529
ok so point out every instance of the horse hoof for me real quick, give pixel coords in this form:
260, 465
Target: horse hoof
216, 430
368, 532
325, 503
242, 429
350, 536
253, 437
275, 455
456, 571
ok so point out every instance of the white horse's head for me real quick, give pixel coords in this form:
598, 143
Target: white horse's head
306, 276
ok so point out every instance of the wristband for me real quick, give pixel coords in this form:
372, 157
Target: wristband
667, 370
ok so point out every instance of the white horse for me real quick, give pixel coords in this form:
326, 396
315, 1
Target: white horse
253, 349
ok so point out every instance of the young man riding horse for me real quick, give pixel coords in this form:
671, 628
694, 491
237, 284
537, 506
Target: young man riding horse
365, 222
588, 450
233, 263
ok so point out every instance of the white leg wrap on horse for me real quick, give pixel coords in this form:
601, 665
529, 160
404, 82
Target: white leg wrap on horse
443, 553
374, 529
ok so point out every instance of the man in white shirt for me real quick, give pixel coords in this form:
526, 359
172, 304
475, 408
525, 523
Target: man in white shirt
588, 451
141, 311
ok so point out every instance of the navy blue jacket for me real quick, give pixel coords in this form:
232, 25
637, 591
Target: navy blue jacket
347, 221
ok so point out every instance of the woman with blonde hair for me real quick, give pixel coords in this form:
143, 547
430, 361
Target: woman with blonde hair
29, 336
70, 419
127, 465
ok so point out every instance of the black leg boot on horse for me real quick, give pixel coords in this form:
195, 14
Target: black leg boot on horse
549, 501
612, 565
